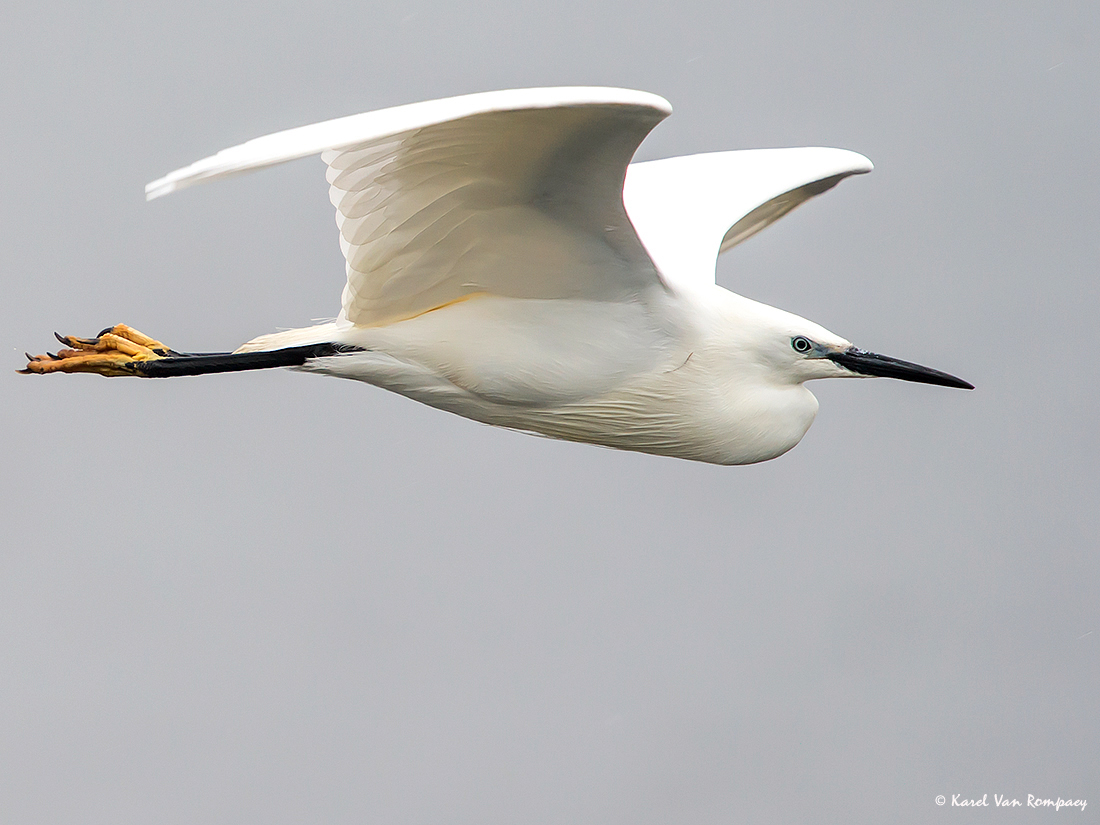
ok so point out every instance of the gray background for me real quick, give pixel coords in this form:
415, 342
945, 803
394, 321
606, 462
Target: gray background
274, 598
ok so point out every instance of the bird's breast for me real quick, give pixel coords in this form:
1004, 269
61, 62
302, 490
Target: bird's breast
684, 416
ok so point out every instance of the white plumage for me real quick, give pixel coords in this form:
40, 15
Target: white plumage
507, 263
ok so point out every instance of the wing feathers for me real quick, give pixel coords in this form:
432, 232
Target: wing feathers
521, 193
501, 202
372, 126
688, 210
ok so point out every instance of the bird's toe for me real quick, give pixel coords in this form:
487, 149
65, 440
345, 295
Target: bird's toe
115, 351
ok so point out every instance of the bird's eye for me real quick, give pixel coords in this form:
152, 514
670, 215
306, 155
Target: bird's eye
800, 344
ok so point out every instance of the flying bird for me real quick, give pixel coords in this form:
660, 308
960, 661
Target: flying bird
508, 263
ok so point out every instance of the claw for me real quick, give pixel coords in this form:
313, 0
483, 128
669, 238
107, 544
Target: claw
103, 332
77, 343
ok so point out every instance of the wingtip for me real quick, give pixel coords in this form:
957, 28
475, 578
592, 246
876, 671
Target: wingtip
157, 189
861, 164
852, 163
652, 99
657, 101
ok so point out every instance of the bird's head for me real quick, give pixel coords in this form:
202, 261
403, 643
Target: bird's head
797, 350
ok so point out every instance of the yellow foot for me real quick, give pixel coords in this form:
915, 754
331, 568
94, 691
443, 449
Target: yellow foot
115, 351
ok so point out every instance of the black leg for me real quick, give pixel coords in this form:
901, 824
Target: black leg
201, 363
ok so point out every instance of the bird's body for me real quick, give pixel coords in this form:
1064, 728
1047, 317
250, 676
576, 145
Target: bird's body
657, 375
504, 264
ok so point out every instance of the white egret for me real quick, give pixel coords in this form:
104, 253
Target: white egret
506, 262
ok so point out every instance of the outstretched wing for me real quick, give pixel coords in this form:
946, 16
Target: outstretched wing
688, 210
515, 193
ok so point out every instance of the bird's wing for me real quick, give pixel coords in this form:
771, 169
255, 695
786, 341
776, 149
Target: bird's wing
515, 193
688, 210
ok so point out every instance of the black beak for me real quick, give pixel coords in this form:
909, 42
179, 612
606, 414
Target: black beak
870, 363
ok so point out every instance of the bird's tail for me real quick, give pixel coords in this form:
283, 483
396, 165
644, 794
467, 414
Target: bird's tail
320, 334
